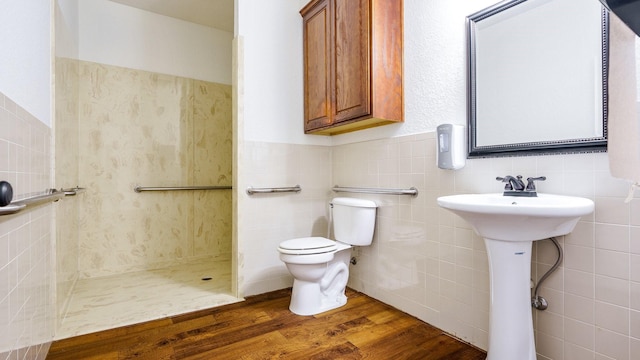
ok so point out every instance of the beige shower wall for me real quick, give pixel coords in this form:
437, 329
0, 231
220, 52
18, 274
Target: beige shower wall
141, 128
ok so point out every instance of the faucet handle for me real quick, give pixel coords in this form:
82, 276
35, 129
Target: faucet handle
531, 186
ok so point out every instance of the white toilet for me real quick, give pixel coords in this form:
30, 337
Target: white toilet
319, 266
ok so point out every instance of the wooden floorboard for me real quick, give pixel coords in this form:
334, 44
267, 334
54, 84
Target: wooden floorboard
262, 327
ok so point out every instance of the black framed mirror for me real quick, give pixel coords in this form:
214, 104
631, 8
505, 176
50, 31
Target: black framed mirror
537, 78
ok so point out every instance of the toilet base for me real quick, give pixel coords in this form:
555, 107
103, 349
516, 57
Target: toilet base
308, 299
319, 287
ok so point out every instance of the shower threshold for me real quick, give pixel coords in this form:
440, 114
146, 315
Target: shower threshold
109, 302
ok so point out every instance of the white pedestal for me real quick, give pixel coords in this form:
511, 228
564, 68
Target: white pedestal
510, 318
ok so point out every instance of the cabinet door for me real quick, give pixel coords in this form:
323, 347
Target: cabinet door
352, 41
317, 68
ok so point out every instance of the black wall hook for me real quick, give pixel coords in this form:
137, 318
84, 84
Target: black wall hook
6, 193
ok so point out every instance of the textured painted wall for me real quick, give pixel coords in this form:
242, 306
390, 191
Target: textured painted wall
434, 70
120, 35
25, 39
142, 128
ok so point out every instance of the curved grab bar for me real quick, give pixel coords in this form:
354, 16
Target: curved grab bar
12, 209
251, 190
15, 206
49, 195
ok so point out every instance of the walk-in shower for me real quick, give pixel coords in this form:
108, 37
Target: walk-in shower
133, 109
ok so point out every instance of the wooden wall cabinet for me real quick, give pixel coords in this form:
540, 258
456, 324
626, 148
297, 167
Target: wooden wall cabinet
352, 65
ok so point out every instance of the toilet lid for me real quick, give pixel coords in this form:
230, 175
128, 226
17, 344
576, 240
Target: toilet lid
307, 246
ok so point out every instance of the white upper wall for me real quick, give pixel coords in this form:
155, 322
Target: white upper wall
273, 94
434, 70
435, 75
25, 55
67, 36
115, 34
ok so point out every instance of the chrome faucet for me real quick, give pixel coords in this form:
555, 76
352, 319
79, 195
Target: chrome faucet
513, 183
515, 186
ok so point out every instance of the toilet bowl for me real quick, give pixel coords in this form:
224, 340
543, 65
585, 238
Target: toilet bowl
319, 279
320, 266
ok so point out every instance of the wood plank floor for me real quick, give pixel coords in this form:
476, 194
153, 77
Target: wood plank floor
262, 327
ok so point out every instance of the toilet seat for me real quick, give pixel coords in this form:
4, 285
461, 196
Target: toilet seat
307, 246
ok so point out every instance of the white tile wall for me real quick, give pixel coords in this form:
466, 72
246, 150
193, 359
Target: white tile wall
264, 220
440, 274
26, 290
429, 263
424, 260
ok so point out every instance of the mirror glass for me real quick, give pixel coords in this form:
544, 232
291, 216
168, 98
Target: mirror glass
537, 78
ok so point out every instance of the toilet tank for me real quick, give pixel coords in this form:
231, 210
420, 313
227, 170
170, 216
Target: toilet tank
353, 220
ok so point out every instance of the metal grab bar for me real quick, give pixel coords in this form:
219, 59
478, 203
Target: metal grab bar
73, 191
178, 188
12, 209
251, 190
50, 195
411, 191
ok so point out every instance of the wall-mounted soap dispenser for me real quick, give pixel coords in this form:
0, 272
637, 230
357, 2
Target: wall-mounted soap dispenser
450, 146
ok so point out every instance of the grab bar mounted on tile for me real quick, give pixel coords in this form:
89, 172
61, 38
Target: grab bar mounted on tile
48, 195
178, 188
251, 190
411, 191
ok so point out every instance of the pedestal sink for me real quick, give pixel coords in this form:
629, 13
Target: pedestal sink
509, 226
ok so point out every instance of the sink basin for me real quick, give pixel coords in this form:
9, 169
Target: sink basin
512, 218
509, 226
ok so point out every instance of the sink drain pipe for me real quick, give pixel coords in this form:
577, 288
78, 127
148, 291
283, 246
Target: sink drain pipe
538, 301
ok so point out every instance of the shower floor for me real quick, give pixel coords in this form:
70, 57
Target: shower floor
112, 301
